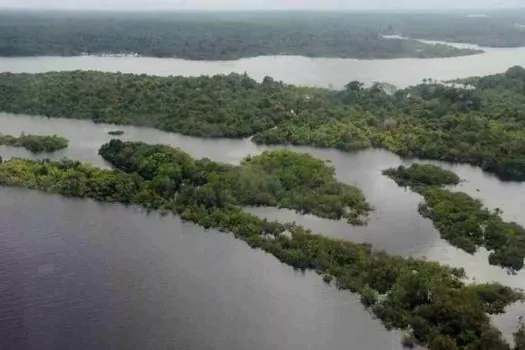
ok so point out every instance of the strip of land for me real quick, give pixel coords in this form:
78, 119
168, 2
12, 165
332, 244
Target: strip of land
460, 219
35, 143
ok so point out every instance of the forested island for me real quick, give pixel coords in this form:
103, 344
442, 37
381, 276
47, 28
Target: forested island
209, 36
483, 125
35, 143
460, 219
430, 302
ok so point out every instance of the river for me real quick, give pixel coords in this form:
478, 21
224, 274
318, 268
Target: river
83, 275
323, 72
145, 270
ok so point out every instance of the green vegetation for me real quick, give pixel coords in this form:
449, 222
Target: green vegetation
275, 178
429, 301
462, 220
207, 36
422, 175
35, 143
484, 126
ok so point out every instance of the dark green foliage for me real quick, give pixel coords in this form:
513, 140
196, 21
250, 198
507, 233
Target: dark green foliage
207, 36
461, 219
231, 106
403, 292
73, 179
35, 143
422, 175
484, 127
275, 178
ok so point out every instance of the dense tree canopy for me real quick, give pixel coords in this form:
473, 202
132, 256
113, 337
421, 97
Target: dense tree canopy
35, 143
462, 220
422, 175
429, 301
207, 36
275, 178
483, 125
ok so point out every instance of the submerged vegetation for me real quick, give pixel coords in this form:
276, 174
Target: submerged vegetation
224, 36
35, 143
462, 220
429, 301
483, 126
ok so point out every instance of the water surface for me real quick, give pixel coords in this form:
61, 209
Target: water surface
395, 226
75, 274
323, 72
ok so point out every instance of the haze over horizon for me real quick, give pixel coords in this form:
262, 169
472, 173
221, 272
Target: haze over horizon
259, 4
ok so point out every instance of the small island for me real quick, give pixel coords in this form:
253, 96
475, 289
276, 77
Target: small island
404, 293
35, 143
116, 132
460, 219
422, 175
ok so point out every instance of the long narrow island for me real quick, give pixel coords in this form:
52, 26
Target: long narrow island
430, 302
483, 125
462, 220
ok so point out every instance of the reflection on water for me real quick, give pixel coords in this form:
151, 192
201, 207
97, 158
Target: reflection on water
75, 274
395, 226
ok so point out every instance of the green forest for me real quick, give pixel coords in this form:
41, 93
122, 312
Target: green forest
430, 302
278, 178
35, 143
460, 219
208, 36
483, 125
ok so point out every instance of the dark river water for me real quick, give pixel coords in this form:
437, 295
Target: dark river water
75, 274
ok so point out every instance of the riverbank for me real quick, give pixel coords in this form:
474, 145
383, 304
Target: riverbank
304, 250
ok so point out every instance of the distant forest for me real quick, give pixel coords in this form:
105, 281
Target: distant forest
227, 36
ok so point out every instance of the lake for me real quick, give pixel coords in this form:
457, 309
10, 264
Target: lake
323, 72
167, 284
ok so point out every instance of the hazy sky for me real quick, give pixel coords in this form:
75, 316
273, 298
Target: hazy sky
259, 4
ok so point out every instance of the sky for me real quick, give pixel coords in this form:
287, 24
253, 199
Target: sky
258, 4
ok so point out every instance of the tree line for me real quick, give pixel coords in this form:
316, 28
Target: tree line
430, 302
483, 125
460, 219
206, 36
